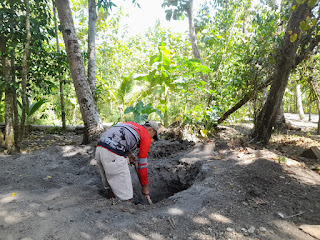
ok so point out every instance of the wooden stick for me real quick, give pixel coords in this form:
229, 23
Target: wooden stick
149, 199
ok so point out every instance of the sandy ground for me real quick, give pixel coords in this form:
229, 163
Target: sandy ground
224, 188
305, 124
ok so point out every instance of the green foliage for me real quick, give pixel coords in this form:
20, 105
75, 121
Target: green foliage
54, 130
141, 112
176, 9
126, 86
34, 107
237, 43
282, 159
106, 4
312, 3
161, 77
202, 120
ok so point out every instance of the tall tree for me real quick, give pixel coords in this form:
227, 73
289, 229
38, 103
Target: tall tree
180, 8
62, 104
91, 44
90, 115
286, 60
24, 74
9, 142
192, 32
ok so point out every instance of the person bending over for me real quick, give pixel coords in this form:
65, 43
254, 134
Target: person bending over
115, 148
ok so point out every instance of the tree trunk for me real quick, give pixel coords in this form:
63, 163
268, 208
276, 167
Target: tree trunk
243, 101
24, 74
91, 45
9, 142
310, 106
284, 64
90, 115
299, 101
192, 33
15, 102
315, 86
281, 123
62, 104
13, 81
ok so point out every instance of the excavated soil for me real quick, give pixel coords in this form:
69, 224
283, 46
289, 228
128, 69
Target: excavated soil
225, 188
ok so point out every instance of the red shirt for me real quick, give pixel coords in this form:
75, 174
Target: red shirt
144, 145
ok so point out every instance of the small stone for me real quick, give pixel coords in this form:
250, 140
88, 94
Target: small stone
262, 229
251, 229
230, 229
243, 230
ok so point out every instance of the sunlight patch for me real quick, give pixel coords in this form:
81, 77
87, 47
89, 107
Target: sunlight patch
137, 236
93, 162
109, 238
157, 236
42, 214
175, 211
8, 198
69, 151
13, 218
3, 213
85, 235
199, 235
219, 218
201, 220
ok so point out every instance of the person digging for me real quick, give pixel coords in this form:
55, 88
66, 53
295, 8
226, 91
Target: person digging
115, 148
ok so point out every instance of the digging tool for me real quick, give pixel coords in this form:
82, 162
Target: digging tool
147, 196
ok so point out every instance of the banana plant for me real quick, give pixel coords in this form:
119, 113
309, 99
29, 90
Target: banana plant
141, 112
123, 95
32, 108
161, 78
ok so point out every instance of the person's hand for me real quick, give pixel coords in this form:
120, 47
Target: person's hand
132, 159
145, 189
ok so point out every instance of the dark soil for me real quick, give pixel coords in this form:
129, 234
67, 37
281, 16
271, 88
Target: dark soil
224, 188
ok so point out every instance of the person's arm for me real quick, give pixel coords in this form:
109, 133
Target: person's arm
132, 159
145, 189
145, 143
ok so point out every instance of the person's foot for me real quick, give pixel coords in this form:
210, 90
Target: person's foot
110, 194
128, 207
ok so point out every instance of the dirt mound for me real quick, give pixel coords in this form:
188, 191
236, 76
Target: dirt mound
165, 148
215, 190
